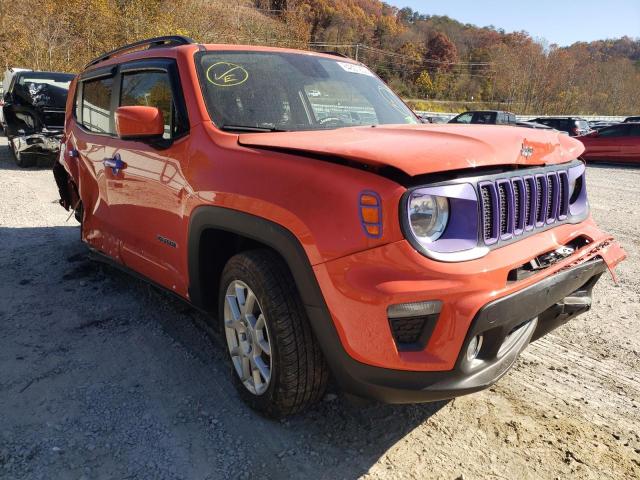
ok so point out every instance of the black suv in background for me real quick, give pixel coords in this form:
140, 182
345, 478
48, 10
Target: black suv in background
574, 126
33, 112
489, 117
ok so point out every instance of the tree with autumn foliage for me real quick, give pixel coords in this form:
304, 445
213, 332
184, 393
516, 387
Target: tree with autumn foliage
420, 55
441, 52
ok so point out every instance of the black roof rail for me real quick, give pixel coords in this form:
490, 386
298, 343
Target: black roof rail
337, 54
165, 41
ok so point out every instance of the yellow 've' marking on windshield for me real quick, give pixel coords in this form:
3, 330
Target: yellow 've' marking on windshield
226, 74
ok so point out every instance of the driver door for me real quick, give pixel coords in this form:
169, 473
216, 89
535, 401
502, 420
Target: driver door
147, 194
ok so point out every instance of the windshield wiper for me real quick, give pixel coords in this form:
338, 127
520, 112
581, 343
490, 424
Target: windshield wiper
248, 128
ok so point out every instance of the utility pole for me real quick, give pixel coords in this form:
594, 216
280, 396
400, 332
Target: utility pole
357, 51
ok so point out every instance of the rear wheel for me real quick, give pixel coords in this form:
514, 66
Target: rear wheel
277, 364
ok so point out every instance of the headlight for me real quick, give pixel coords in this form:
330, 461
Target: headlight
441, 222
428, 216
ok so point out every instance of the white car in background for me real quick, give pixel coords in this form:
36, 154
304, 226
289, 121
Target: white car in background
6, 81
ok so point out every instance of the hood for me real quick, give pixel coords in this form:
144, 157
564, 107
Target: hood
420, 149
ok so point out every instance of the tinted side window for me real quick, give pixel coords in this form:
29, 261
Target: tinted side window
483, 117
464, 118
634, 130
96, 105
615, 131
152, 89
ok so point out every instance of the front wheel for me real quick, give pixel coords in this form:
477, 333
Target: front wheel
22, 160
277, 364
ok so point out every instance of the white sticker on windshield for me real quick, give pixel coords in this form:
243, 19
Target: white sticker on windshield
353, 68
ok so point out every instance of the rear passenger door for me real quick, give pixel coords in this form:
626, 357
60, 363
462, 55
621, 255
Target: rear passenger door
147, 194
93, 114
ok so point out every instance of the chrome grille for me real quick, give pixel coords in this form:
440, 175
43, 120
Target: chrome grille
509, 206
517, 204
528, 202
502, 201
487, 211
563, 187
540, 198
552, 181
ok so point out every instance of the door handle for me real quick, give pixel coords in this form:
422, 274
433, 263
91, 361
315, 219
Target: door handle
115, 164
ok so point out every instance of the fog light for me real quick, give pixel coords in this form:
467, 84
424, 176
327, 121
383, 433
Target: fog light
416, 309
475, 345
413, 323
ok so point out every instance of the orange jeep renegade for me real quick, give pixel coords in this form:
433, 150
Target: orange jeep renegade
295, 194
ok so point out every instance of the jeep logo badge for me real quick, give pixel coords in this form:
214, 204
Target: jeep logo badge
526, 151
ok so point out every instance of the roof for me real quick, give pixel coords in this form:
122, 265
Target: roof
134, 51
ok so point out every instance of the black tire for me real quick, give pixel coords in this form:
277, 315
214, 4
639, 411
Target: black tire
299, 372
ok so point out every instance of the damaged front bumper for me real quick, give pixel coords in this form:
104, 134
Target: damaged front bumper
45, 142
506, 326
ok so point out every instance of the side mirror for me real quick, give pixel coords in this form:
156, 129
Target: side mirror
139, 122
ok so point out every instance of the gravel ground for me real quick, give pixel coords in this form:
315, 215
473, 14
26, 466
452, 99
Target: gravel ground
104, 377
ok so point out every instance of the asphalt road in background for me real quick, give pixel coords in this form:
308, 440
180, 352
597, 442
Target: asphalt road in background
101, 376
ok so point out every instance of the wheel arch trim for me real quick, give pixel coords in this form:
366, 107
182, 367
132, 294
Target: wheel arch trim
259, 229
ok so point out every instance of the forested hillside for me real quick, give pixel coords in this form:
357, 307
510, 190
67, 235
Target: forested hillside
421, 56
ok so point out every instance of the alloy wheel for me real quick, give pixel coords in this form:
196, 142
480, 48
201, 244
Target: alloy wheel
247, 337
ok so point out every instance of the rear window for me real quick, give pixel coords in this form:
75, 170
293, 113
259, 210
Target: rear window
96, 105
59, 80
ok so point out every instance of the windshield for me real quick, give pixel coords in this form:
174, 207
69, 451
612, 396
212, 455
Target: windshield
268, 91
